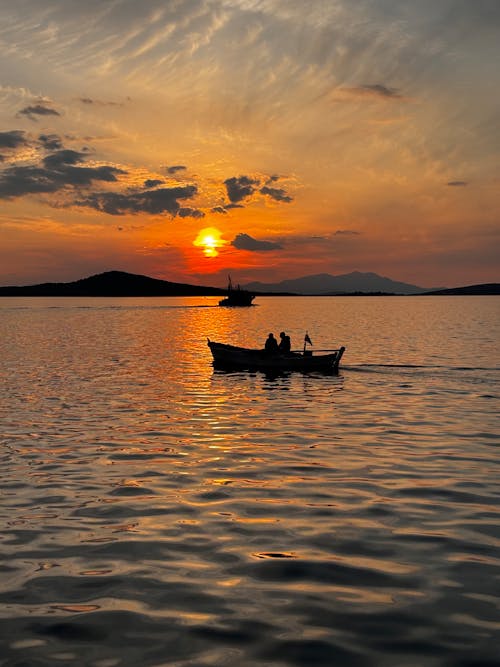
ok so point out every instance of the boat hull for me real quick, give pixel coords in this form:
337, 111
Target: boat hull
240, 301
230, 356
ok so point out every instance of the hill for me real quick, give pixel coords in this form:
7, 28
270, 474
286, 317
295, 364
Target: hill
113, 283
325, 283
486, 289
121, 283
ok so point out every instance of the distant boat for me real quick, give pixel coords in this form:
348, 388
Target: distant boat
230, 356
236, 297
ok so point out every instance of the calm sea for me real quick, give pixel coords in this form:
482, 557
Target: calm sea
157, 512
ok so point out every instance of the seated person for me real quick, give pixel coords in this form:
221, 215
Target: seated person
285, 344
271, 345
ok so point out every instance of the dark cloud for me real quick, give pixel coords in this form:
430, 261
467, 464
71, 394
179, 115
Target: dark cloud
246, 242
18, 181
381, 91
376, 90
82, 176
13, 139
175, 168
63, 157
190, 213
62, 168
276, 193
40, 109
240, 187
346, 232
457, 184
51, 142
163, 200
89, 101
55, 172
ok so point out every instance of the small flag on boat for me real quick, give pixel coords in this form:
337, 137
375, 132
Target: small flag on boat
307, 339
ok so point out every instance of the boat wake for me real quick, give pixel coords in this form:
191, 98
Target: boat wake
382, 368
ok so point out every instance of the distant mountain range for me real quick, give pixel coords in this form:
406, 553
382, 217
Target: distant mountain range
120, 283
324, 283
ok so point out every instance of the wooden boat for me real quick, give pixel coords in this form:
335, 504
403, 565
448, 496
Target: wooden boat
230, 356
236, 297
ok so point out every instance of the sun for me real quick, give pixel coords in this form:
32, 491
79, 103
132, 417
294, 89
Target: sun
209, 239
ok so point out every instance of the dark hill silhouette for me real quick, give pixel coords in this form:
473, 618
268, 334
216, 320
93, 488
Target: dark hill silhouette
113, 283
485, 289
121, 283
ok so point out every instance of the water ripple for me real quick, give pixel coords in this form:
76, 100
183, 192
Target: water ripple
158, 512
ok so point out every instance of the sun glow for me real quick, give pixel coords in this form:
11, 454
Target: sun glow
209, 239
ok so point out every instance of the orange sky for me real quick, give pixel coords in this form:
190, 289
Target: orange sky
320, 137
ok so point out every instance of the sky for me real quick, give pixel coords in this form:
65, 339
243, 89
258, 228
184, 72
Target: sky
268, 139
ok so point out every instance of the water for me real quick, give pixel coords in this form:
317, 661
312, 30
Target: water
157, 512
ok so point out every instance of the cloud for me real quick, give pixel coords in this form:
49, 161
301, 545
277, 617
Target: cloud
89, 101
57, 168
457, 184
376, 91
276, 193
40, 109
190, 213
13, 139
51, 142
162, 200
227, 207
19, 181
63, 157
240, 187
381, 91
175, 168
152, 182
55, 172
53, 168
246, 242
346, 232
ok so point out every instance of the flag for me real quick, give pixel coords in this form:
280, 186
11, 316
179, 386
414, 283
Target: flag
307, 339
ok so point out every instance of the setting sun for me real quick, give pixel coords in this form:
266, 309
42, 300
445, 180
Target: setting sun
209, 239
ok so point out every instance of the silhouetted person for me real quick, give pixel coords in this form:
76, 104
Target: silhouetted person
285, 344
271, 345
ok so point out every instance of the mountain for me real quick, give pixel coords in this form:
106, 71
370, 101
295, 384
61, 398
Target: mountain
113, 283
324, 283
120, 283
485, 289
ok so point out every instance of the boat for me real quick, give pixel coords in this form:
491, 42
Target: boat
237, 297
233, 357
